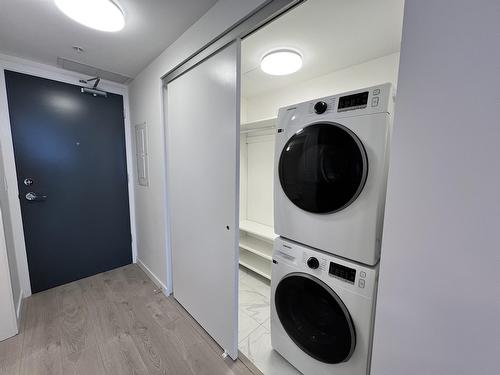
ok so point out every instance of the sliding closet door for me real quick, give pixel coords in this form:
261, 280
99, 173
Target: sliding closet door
203, 164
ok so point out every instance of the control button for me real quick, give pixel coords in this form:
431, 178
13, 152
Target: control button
375, 101
362, 274
361, 283
323, 264
313, 263
320, 107
376, 91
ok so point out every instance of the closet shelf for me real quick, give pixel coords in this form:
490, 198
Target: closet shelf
258, 247
258, 229
258, 265
260, 125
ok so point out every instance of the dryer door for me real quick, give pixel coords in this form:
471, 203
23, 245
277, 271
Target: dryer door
315, 318
323, 168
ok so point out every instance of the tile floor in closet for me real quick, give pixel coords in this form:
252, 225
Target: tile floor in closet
254, 325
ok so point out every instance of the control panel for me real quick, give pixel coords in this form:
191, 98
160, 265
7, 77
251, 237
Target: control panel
370, 100
342, 272
354, 101
332, 270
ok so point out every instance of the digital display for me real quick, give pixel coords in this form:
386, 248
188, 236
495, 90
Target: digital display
354, 101
343, 272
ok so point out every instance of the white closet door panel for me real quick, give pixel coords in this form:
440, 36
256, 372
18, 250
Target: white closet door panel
260, 181
203, 169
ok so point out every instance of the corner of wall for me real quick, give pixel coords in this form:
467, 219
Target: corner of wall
154, 278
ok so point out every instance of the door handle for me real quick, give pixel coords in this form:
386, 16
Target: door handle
34, 197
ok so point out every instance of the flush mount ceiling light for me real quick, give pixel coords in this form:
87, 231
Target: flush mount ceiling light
102, 15
281, 62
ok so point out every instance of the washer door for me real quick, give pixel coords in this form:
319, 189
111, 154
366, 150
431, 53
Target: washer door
323, 168
315, 318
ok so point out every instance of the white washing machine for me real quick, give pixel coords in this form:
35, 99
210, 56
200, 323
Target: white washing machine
322, 310
331, 162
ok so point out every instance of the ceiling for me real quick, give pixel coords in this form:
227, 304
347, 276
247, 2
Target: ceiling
37, 30
330, 34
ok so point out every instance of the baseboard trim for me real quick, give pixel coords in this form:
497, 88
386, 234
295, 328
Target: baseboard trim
152, 276
19, 306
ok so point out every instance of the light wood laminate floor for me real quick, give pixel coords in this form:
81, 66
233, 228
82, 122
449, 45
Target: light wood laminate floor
111, 324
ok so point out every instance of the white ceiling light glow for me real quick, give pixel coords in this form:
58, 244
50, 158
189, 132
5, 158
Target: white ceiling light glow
103, 15
281, 62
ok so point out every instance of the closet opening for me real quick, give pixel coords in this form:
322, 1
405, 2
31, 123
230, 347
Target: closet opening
349, 46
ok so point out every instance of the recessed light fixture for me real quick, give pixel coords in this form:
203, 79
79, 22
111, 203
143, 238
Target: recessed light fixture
104, 15
281, 62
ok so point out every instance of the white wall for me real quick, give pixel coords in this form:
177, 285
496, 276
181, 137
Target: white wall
9, 235
370, 73
8, 323
243, 176
259, 179
438, 308
146, 104
9, 200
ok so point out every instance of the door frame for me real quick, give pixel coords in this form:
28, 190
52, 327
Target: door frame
56, 74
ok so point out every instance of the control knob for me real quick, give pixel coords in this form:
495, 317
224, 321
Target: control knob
320, 107
313, 263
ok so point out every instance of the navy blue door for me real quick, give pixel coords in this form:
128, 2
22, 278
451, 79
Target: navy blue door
72, 175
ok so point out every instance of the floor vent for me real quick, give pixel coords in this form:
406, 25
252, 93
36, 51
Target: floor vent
92, 71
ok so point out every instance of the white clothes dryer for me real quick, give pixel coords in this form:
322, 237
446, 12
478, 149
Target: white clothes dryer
322, 310
331, 162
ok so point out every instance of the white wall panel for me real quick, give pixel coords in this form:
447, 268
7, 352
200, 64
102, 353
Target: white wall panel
141, 154
243, 177
439, 294
260, 177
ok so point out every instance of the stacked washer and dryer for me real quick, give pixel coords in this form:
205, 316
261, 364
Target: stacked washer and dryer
331, 164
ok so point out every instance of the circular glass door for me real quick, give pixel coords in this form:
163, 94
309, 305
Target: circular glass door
323, 168
315, 318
